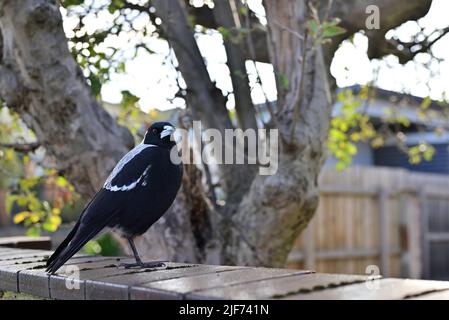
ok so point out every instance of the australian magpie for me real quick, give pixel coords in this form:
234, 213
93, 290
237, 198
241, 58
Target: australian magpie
139, 190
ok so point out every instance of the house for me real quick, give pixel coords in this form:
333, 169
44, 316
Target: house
417, 128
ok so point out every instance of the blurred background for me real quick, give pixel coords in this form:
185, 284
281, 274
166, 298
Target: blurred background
383, 186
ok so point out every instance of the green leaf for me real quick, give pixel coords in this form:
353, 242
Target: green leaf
115, 5
95, 85
283, 80
332, 31
225, 33
340, 166
425, 104
243, 10
313, 28
61, 181
92, 247
34, 231
21, 216
128, 99
69, 3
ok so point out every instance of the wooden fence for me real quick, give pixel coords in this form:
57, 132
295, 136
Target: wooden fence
372, 218
95, 277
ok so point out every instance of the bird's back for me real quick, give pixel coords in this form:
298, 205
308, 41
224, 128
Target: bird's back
139, 190
153, 197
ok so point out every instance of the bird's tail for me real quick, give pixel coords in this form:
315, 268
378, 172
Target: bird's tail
63, 245
76, 239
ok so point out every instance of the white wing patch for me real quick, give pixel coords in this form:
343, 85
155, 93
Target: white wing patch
127, 158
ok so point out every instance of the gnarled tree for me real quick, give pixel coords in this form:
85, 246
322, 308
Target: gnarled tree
263, 215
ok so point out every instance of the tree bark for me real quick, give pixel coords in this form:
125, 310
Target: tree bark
227, 16
204, 98
278, 207
5, 218
41, 81
263, 215
353, 16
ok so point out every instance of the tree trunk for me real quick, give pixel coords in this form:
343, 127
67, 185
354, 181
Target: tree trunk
204, 99
41, 81
262, 217
278, 207
5, 219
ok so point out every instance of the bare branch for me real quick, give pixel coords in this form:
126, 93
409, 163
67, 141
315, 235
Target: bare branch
301, 89
244, 107
21, 147
407, 51
10, 88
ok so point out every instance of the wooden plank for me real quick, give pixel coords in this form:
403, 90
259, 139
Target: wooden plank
37, 243
9, 278
137, 293
85, 276
347, 190
127, 284
438, 295
438, 236
425, 249
413, 240
34, 282
24, 260
70, 281
14, 253
100, 278
339, 197
309, 247
68, 287
88, 264
23, 271
42, 255
437, 192
220, 279
277, 287
173, 271
384, 289
5, 249
384, 232
356, 253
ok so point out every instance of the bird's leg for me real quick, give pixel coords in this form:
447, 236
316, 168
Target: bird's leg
134, 249
139, 263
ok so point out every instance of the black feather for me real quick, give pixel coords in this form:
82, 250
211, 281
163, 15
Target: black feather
134, 198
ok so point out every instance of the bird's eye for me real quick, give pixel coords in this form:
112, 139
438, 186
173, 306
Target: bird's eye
155, 131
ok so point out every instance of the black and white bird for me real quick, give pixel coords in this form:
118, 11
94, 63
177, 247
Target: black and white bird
140, 189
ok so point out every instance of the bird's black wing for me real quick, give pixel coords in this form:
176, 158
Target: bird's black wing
107, 204
130, 172
99, 213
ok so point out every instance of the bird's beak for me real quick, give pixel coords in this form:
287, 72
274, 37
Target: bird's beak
168, 130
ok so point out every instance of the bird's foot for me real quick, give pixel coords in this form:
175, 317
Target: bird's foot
143, 265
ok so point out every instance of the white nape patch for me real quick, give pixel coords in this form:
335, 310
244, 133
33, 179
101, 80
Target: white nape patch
168, 130
127, 158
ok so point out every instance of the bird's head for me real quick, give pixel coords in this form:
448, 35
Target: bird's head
160, 134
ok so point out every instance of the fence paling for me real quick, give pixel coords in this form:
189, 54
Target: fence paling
374, 216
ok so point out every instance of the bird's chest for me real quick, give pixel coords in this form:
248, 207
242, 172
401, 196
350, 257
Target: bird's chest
150, 201
159, 188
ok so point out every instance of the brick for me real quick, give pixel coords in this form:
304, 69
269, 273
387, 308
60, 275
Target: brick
9, 274
34, 282
106, 291
276, 287
139, 293
143, 277
220, 279
388, 289
64, 288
